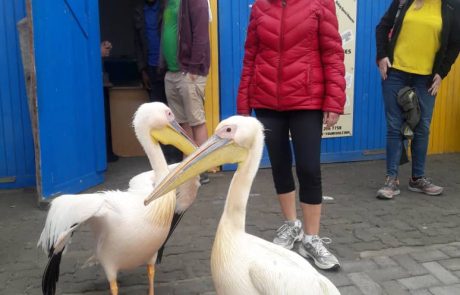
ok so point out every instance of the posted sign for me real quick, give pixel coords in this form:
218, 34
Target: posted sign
346, 14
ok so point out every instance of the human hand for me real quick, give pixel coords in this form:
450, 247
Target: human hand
106, 47
192, 76
146, 80
436, 84
384, 65
330, 119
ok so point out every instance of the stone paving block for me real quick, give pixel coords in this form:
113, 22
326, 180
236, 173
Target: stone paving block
452, 251
388, 274
404, 235
390, 240
425, 256
346, 251
419, 282
401, 225
446, 290
368, 246
339, 278
394, 288
385, 261
441, 273
414, 242
421, 292
358, 266
387, 252
410, 264
364, 235
350, 290
365, 283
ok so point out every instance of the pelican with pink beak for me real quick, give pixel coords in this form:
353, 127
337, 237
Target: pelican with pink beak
242, 263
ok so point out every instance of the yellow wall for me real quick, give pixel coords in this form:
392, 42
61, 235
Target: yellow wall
445, 127
212, 87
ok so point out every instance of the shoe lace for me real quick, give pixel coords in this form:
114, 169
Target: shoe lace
425, 181
319, 243
286, 231
391, 182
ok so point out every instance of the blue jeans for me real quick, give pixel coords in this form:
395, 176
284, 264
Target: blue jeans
394, 117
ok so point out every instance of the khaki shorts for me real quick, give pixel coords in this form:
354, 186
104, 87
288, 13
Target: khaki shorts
186, 97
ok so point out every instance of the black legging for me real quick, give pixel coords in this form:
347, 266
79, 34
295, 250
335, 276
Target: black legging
305, 127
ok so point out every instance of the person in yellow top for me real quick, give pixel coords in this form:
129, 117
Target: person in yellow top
417, 43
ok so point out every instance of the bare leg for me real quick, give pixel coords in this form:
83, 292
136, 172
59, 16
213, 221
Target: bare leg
200, 134
151, 275
311, 218
287, 202
113, 287
188, 130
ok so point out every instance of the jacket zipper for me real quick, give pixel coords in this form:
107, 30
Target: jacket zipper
283, 6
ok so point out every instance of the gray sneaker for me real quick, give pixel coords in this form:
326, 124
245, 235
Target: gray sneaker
426, 186
317, 251
289, 233
389, 189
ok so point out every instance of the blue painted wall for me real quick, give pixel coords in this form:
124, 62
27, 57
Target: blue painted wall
16, 142
69, 95
368, 140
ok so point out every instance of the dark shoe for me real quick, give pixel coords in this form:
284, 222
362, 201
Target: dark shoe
112, 158
425, 185
389, 189
204, 178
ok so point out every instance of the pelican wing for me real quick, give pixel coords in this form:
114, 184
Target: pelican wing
142, 181
67, 212
281, 271
186, 194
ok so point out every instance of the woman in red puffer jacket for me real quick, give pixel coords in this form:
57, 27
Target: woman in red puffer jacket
293, 78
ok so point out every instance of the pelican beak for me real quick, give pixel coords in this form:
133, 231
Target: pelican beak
175, 135
214, 152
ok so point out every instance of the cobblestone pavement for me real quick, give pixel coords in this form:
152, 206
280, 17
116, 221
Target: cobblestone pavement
410, 245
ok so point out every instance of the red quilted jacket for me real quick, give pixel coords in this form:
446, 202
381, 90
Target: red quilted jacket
293, 58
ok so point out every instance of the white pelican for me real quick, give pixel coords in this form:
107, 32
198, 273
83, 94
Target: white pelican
145, 181
242, 263
128, 234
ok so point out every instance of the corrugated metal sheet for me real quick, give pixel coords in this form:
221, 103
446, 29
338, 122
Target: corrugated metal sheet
446, 119
368, 140
17, 166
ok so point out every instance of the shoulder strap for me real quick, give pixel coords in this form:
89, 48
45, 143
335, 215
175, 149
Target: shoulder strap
398, 14
401, 5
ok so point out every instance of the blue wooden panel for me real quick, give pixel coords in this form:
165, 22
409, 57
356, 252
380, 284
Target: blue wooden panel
368, 140
16, 144
70, 99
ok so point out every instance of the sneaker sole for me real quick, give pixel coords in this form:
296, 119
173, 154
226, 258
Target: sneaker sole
307, 255
417, 190
384, 197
